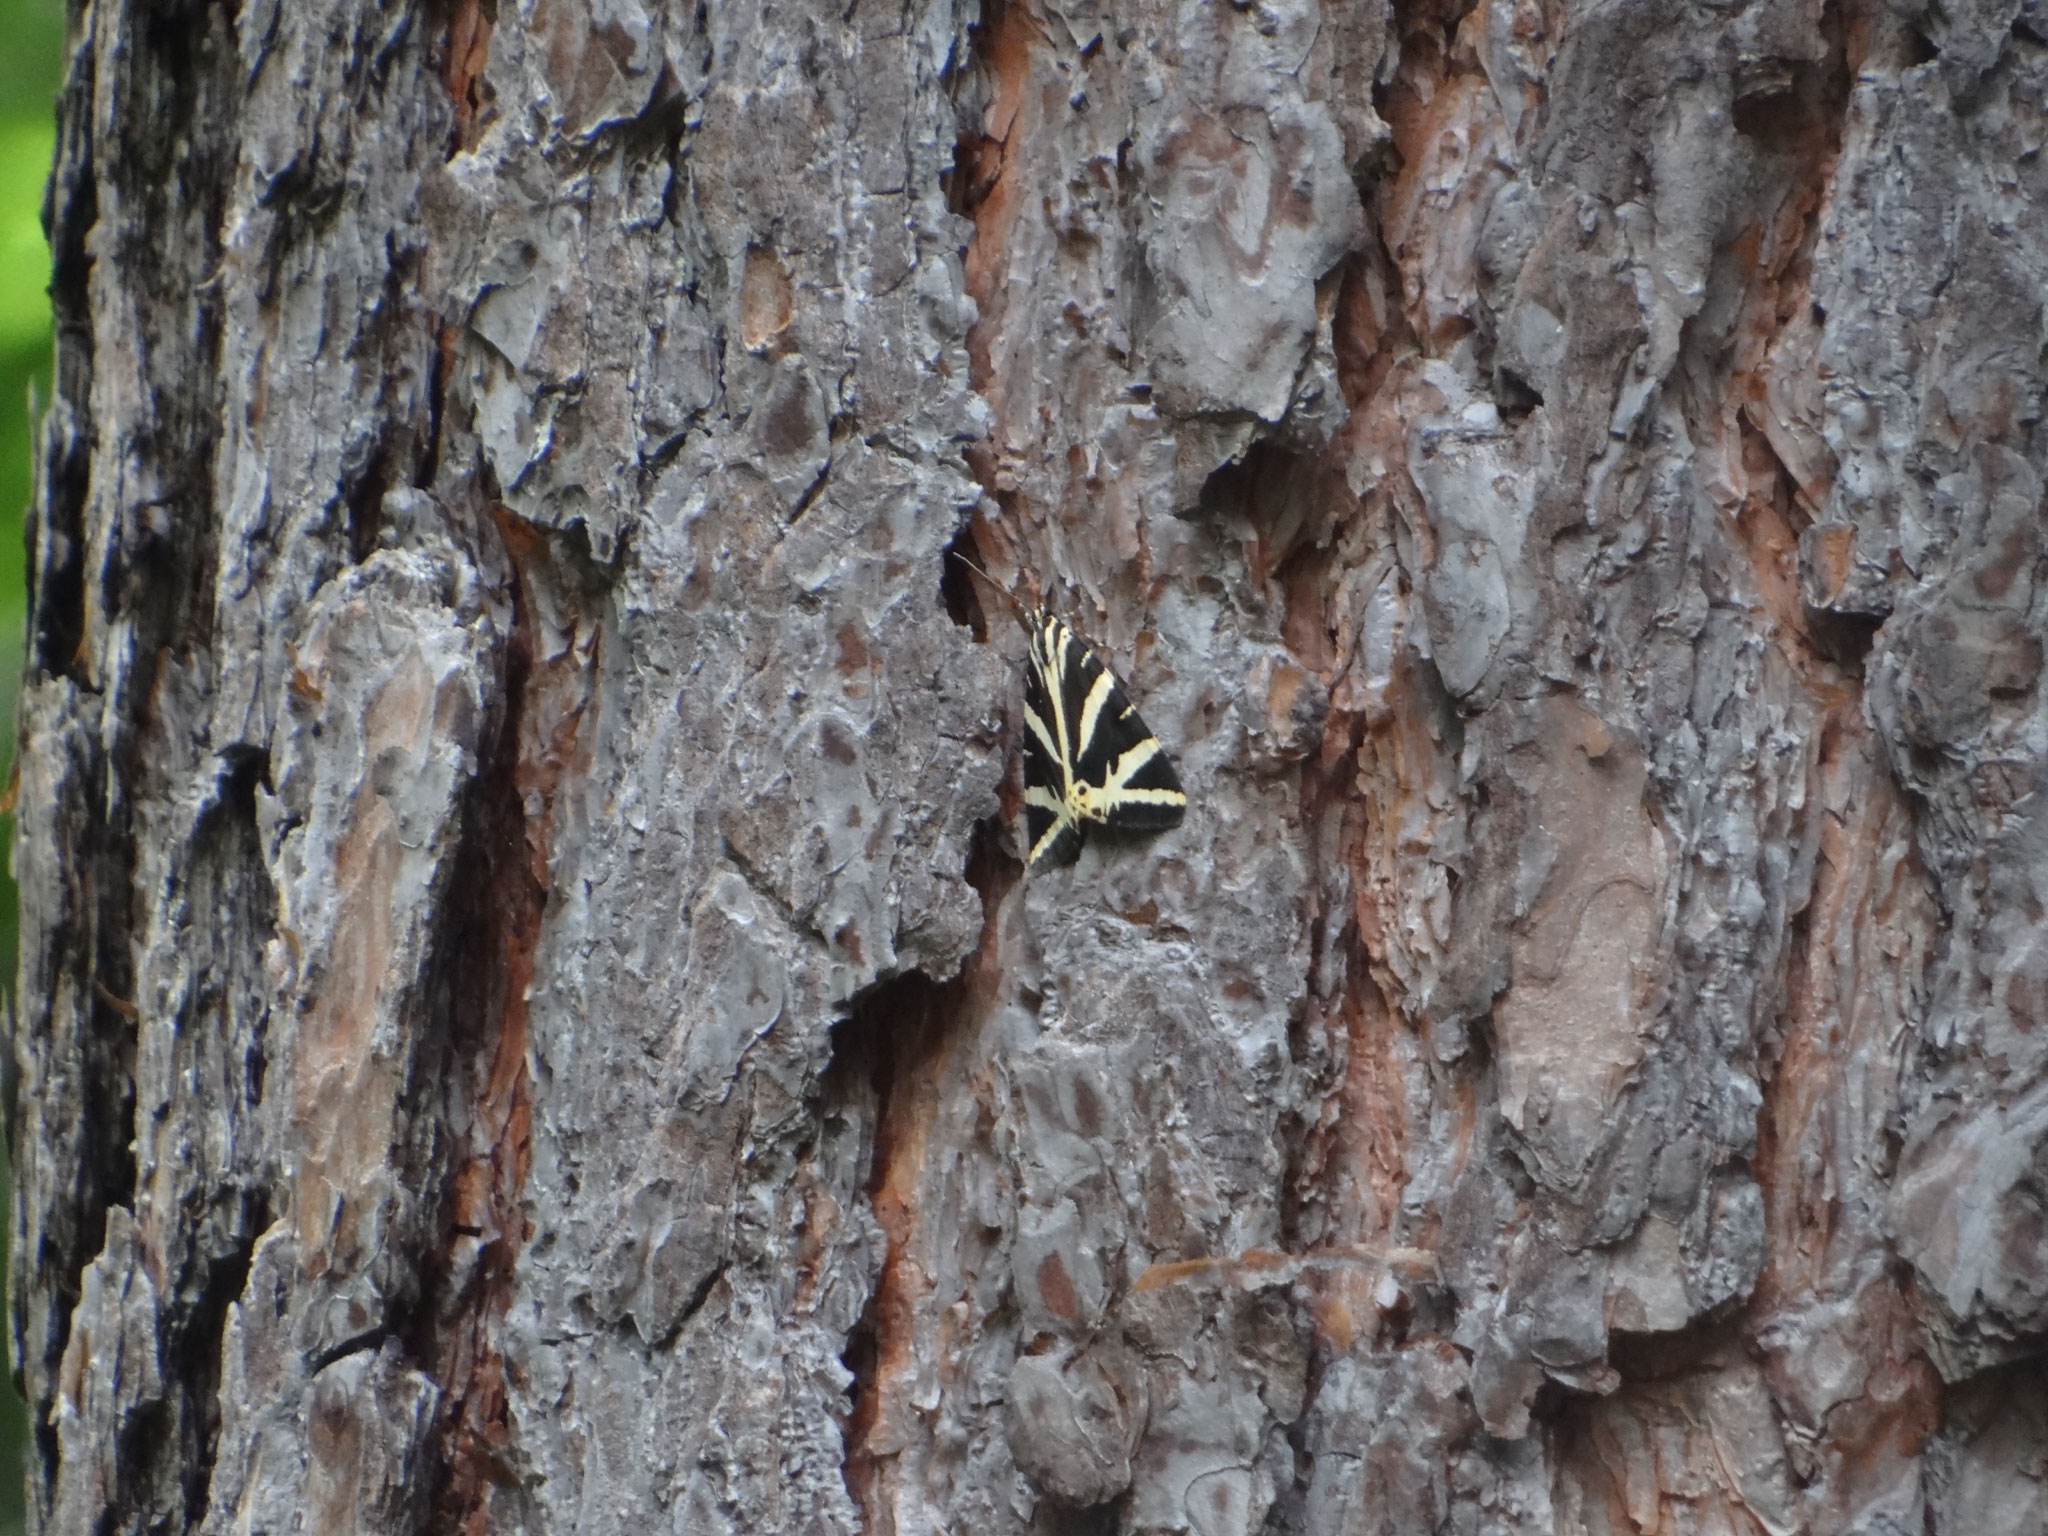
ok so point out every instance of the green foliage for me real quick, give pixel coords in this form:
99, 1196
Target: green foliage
31, 48
25, 145
31, 39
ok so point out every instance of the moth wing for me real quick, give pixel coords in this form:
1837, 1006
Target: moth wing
1052, 834
1139, 788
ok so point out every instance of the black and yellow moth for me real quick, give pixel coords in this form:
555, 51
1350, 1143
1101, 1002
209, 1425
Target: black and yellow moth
1087, 755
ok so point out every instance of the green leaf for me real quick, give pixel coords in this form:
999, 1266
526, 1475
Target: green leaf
26, 145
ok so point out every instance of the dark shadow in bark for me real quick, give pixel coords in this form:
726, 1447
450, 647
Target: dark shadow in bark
886, 1054
887, 1040
1843, 638
483, 970
233, 904
1641, 1357
364, 500
956, 584
1052, 1518
1515, 395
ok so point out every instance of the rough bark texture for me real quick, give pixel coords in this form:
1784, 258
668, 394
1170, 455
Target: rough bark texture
530, 1019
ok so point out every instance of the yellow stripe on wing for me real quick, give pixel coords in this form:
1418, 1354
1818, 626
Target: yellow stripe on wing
1050, 837
1117, 790
1091, 710
1046, 800
1054, 640
1043, 733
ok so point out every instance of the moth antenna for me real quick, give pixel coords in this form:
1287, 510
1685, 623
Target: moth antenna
1009, 597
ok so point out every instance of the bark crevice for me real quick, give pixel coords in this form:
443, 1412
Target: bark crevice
889, 1069
486, 964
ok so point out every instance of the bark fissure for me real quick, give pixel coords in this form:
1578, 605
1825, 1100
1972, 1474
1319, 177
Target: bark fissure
888, 1036
231, 901
895, 1061
487, 970
197, 1353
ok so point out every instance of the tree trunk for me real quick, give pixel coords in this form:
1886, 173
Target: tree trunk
531, 1018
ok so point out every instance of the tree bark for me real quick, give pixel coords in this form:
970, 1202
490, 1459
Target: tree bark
530, 1014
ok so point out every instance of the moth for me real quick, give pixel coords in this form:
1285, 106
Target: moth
1087, 755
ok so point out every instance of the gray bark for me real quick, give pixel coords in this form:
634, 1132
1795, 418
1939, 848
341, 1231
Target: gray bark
530, 1018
